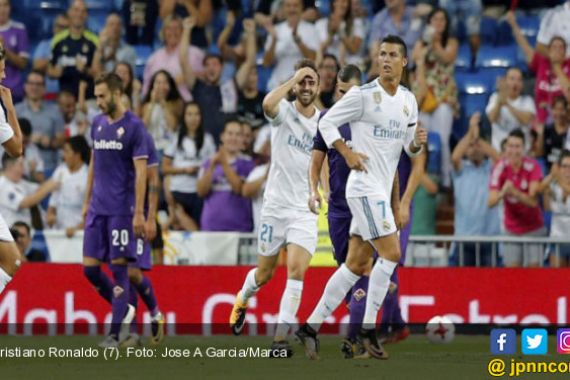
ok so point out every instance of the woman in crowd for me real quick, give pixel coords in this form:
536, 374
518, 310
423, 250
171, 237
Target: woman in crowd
131, 85
182, 161
162, 109
435, 56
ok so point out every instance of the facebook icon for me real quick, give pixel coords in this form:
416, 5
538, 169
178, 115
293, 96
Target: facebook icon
503, 342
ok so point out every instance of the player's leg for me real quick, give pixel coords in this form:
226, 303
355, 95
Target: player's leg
133, 339
94, 253
270, 239
9, 261
143, 286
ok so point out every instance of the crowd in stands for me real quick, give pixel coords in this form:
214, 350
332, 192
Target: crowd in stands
196, 72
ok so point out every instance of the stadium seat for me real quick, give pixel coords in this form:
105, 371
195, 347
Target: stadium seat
324, 7
474, 90
143, 53
97, 19
434, 157
263, 74
497, 56
489, 27
463, 61
37, 17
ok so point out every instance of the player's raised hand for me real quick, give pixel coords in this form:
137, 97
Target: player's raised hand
315, 202
355, 161
304, 72
421, 136
149, 230
138, 224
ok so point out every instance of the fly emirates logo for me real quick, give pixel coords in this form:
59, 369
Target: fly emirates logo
108, 145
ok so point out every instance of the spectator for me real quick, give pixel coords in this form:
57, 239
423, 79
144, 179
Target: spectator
139, 18
341, 34
18, 196
328, 70
516, 180
508, 110
554, 23
14, 39
435, 58
111, 48
288, 42
250, 99
47, 123
470, 12
268, 11
473, 160
182, 161
425, 203
33, 163
168, 58
162, 109
552, 70
42, 54
248, 139
200, 10
210, 93
72, 52
23, 237
65, 204
230, 49
555, 137
75, 122
131, 85
397, 19
556, 188
220, 183
254, 188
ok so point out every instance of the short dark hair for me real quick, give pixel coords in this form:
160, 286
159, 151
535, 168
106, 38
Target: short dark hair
392, 39
19, 223
112, 80
25, 126
564, 154
79, 145
333, 57
231, 120
8, 160
307, 63
559, 38
66, 93
518, 133
37, 72
349, 72
212, 55
516, 68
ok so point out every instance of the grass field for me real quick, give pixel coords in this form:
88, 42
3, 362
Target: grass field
466, 357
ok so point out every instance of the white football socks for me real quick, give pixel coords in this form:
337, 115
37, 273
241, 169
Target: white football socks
338, 285
288, 308
249, 286
4, 280
377, 289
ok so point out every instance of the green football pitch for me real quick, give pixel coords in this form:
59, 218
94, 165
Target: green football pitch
467, 357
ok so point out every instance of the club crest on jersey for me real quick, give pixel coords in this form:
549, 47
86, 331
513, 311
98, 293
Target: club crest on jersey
377, 99
386, 226
85, 48
99, 128
406, 111
120, 132
359, 294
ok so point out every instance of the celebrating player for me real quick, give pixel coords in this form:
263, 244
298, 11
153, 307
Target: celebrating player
11, 140
382, 116
285, 218
141, 284
114, 200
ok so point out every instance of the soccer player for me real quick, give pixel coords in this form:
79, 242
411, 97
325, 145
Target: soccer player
114, 201
285, 218
382, 116
11, 141
141, 284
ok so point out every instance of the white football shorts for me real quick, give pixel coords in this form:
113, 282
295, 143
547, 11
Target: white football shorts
372, 217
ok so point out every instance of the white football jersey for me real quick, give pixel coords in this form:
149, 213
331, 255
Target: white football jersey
6, 131
291, 145
381, 126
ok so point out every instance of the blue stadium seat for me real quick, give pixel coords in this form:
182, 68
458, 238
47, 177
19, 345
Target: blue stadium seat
489, 28
434, 149
263, 74
497, 56
324, 7
463, 61
143, 53
37, 16
97, 19
474, 90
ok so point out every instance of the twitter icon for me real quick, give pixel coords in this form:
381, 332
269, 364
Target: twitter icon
534, 342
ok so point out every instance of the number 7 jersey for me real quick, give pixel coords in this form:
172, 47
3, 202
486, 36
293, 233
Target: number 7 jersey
381, 126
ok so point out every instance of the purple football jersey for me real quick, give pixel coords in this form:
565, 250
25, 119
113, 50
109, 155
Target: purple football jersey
15, 39
404, 171
115, 146
223, 209
338, 171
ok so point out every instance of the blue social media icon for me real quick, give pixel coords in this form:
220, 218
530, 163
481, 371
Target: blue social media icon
534, 342
503, 342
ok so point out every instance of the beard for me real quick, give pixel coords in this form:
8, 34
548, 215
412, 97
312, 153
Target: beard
111, 107
307, 101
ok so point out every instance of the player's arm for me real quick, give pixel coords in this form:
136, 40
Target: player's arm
153, 188
250, 189
318, 156
416, 175
88, 187
14, 145
418, 139
140, 193
272, 100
